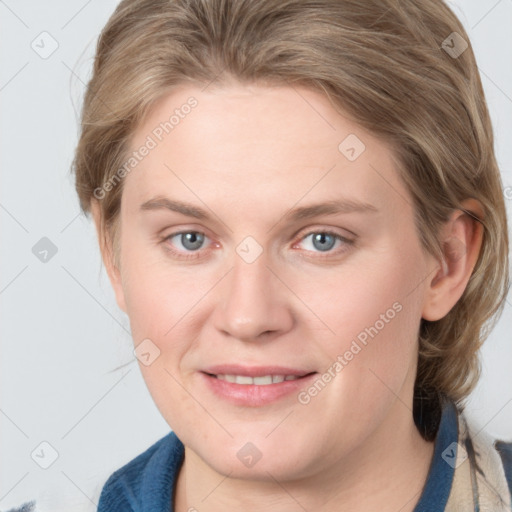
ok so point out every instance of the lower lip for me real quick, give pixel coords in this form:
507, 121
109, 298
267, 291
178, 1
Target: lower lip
251, 395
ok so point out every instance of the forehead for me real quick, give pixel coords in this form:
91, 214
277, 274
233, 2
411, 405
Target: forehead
272, 145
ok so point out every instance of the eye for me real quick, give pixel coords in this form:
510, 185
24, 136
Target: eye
324, 241
187, 241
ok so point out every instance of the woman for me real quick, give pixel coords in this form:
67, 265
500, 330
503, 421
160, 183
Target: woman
299, 209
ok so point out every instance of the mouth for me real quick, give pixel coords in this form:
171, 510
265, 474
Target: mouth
255, 387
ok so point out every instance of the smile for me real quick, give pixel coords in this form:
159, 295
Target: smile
254, 387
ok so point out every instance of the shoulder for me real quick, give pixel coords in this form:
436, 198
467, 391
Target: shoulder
489, 451
144, 483
505, 451
490, 465
145, 480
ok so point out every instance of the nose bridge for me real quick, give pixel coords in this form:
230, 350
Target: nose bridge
251, 303
250, 278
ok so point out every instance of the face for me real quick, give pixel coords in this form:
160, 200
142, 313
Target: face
271, 268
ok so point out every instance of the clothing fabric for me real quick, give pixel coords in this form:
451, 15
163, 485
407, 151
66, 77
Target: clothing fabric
469, 472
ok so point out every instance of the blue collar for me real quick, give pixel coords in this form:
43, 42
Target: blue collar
440, 476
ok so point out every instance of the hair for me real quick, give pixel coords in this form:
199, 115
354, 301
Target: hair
387, 64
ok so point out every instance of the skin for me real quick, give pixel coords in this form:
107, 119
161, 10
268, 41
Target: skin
247, 155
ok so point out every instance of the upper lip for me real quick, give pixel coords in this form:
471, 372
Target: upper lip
255, 371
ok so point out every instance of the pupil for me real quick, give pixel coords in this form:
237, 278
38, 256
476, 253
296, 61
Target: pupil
323, 241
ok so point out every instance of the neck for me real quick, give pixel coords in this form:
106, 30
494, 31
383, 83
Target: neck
386, 474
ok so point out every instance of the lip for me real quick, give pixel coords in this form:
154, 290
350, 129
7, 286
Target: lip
252, 395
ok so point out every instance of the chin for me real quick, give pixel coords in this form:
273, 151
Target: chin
259, 461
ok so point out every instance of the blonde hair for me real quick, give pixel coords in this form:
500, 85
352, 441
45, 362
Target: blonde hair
394, 66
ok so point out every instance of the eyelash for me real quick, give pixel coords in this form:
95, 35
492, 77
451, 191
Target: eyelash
347, 243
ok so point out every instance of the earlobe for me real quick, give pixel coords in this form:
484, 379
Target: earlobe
107, 255
461, 241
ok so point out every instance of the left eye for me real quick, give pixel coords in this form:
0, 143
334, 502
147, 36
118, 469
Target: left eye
188, 241
322, 241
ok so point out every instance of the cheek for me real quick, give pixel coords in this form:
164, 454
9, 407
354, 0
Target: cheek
373, 312
155, 300
375, 316
160, 306
156, 293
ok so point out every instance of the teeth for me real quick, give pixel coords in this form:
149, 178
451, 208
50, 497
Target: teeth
243, 379
264, 380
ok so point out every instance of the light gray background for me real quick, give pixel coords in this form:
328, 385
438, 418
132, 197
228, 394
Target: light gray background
62, 333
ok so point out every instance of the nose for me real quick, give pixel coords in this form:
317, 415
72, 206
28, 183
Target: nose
254, 304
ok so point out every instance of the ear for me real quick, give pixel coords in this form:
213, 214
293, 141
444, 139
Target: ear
107, 254
461, 240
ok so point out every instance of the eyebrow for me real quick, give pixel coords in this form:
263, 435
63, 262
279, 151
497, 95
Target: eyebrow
163, 203
295, 214
330, 208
